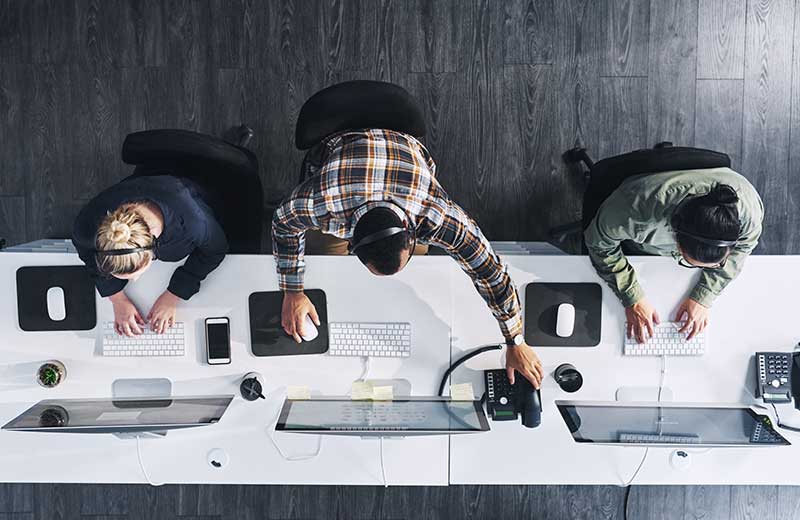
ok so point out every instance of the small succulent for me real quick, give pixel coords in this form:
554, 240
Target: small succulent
49, 375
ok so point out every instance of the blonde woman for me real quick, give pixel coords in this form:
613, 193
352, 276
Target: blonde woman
125, 228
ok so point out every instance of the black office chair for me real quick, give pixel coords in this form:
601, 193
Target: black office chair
226, 172
605, 176
354, 105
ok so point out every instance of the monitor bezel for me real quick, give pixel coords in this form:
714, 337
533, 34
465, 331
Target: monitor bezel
111, 428
280, 425
656, 404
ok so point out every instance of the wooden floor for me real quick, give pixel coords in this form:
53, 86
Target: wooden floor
507, 85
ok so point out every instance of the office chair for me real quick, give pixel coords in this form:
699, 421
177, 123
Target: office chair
227, 173
602, 178
354, 105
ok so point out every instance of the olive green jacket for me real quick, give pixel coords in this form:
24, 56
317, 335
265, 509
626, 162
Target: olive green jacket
641, 209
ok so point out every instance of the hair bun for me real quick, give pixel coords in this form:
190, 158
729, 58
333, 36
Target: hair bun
723, 195
119, 232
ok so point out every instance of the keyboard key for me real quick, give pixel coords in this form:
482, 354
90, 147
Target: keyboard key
370, 339
148, 344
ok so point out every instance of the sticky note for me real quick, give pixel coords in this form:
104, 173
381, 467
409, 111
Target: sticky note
462, 392
361, 390
298, 392
382, 393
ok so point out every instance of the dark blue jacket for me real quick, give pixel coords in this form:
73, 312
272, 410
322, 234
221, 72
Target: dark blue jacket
190, 229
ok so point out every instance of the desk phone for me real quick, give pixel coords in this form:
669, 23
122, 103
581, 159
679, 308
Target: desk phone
774, 373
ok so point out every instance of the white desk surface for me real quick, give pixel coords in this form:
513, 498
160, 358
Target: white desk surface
439, 300
756, 312
353, 294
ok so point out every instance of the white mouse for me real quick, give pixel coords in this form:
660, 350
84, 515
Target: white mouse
565, 321
309, 332
56, 308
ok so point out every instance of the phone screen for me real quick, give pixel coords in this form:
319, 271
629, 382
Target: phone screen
218, 341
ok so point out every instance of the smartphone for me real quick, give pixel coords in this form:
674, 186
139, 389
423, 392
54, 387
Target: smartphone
218, 341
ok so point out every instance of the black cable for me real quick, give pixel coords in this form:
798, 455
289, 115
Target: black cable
625, 503
461, 360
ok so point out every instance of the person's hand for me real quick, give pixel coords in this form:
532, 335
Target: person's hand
694, 317
162, 314
640, 317
293, 313
524, 360
127, 320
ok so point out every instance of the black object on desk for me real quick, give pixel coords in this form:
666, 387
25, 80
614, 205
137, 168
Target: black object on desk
79, 298
267, 337
541, 309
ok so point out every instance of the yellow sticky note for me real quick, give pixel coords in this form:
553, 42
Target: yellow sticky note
382, 393
462, 392
361, 390
298, 393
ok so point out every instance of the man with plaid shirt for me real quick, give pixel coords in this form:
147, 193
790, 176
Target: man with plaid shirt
378, 190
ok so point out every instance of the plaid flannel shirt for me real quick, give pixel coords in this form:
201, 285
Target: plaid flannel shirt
356, 169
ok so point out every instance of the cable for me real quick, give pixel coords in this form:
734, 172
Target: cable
364, 368
461, 360
292, 458
625, 503
383, 469
141, 463
780, 424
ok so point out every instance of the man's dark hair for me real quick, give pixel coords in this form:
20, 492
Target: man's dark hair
713, 216
383, 255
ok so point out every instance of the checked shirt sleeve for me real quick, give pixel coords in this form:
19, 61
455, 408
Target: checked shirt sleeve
289, 224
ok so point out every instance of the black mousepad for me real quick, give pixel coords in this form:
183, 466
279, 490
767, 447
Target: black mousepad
79, 300
267, 337
541, 309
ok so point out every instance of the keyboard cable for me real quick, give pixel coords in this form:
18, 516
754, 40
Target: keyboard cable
141, 463
628, 484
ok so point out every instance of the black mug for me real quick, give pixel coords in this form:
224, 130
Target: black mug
568, 378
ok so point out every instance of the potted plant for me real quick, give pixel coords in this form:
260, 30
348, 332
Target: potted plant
51, 374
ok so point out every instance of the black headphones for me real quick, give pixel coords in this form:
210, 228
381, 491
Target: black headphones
122, 252
707, 241
378, 235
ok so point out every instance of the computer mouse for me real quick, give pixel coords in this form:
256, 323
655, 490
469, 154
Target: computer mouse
309, 332
565, 320
56, 308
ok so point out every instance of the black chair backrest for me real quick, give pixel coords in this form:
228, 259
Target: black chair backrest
608, 174
357, 104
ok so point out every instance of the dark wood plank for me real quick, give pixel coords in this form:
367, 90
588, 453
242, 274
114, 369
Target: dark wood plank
389, 28
439, 30
14, 44
671, 85
767, 108
788, 503
528, 31
57, 501
656, 502
12, 151
12, 229
707, 502
718, 122
751, 502
14, 498
53, 31
147, 502
197, 500
720, 39
16, 516
104, 499
623, 118
793, 186
582, 503
625, 33
529, 105
122, 33
577, 93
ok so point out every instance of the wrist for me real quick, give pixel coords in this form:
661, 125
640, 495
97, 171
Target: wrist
118, 297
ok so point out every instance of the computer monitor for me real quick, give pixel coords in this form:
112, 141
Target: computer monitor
667, 424
120, 416
401, 417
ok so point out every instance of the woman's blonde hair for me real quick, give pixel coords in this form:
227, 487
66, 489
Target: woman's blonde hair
124, 228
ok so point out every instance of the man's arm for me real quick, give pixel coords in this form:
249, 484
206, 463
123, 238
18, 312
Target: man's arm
460, 236
604, 237
289, 224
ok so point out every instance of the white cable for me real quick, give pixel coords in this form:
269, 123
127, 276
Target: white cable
364, 368
291, 458
383, 469
141, 463
647, 449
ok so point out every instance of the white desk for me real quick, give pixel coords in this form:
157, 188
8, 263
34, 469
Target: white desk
436, 297
353, 294
756, 312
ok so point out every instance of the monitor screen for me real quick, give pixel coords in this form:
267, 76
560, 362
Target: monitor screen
120, 415
420, 415
670, 424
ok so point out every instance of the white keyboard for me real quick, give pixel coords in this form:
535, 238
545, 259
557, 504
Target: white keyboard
370, 339
667, 341
147, 344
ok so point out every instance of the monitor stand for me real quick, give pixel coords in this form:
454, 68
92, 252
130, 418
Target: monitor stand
152, 388
627, 394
